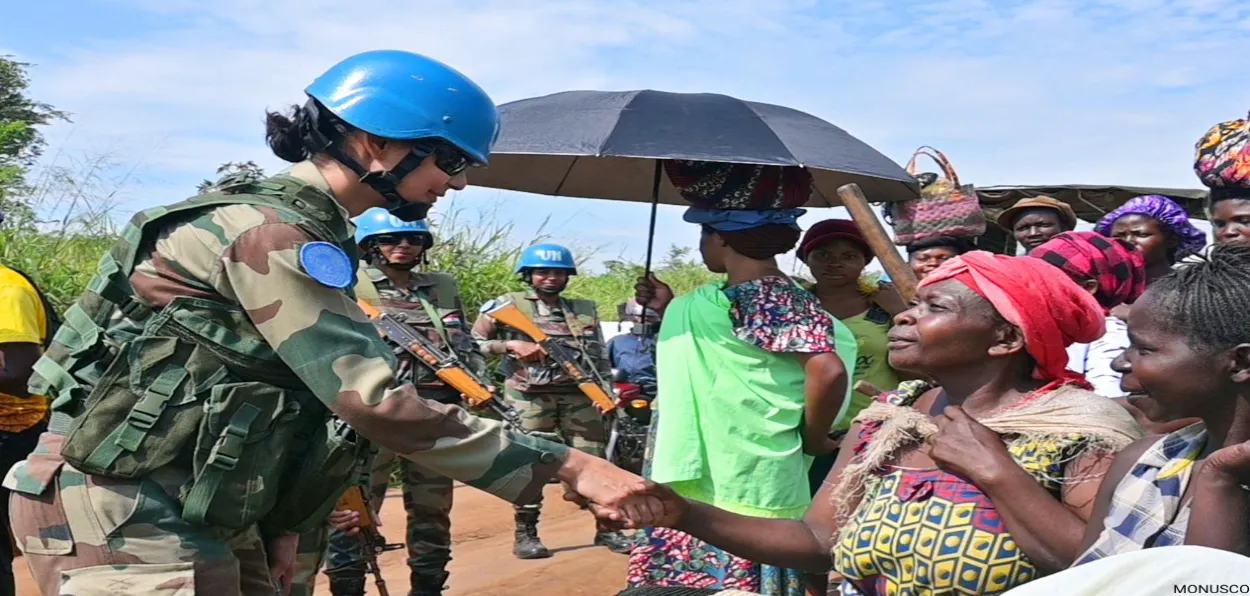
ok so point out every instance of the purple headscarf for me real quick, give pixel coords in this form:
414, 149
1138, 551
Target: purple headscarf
1171, 216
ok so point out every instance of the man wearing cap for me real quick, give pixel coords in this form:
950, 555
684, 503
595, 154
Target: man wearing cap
1035, 220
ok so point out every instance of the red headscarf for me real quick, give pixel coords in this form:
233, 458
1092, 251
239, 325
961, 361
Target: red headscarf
1119, 269
1051, 309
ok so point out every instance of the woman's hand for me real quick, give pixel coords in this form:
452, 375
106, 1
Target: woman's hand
1231, 464
966, 447
653, 293
615, 495
524, 350
666, 509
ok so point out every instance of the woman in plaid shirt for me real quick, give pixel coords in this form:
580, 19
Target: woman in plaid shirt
1189, 357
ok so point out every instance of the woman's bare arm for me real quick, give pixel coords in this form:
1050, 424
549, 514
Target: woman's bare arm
805, 545
824, 389
1049, 530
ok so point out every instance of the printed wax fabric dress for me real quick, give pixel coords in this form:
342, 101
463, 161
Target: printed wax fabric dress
927, 532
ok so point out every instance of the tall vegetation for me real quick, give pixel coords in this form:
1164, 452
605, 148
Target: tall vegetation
60, 249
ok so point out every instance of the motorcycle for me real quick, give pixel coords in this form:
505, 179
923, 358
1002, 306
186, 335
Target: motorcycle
627, 436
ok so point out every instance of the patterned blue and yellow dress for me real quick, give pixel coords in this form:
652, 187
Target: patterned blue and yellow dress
927, 532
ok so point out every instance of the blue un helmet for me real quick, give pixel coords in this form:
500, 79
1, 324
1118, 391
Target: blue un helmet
546, 256
377, 221
403, 96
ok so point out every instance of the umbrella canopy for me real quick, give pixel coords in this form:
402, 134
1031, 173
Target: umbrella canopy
609, 144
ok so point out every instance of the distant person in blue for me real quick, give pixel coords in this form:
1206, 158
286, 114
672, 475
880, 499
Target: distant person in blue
633, 353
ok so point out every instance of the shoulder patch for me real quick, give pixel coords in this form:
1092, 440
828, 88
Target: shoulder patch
328, 264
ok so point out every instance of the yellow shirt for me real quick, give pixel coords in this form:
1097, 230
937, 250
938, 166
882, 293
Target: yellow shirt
873, 361
22, 320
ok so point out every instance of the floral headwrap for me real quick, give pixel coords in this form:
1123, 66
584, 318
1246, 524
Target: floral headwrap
1222, 156
1171, 216
717, 185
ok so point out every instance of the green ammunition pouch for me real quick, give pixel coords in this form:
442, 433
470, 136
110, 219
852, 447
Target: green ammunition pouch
195, 388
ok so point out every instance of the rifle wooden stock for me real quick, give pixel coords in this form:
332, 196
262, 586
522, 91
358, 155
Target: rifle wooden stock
445, 365
371, 540
354, 500
510, 315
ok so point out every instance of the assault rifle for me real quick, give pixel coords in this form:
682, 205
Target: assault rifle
444, 363
508, 314
372, 542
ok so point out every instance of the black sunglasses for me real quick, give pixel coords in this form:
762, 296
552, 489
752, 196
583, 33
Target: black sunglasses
447, 158
414, 239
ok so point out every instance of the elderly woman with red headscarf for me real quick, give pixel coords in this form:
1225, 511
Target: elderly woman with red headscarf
1115, 273
974, 483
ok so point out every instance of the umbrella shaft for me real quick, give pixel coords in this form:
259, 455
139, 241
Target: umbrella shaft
655, 206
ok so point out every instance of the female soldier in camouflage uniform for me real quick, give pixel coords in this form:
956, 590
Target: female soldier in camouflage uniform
219, 356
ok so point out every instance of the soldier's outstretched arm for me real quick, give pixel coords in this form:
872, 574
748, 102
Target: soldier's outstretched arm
322, 335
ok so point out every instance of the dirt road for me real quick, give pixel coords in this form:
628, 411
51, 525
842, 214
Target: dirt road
482, 561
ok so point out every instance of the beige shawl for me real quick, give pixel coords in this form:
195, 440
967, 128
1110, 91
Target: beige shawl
1056, 414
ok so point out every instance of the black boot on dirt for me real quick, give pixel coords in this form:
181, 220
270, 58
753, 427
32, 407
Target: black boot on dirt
614, 541
526, 544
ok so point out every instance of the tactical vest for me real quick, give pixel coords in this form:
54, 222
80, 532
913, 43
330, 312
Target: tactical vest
578, 330
194, 387
432, 306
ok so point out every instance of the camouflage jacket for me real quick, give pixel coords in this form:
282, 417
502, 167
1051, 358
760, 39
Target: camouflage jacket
582, 334
428, 293
244, 260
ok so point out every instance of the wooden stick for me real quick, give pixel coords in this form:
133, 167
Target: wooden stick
868, 389
900, 272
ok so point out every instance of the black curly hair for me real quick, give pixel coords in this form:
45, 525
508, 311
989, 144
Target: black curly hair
1208, 300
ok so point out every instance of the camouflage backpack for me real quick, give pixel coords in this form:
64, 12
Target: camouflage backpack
194, 385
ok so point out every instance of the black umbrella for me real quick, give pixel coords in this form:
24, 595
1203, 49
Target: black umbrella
612, 144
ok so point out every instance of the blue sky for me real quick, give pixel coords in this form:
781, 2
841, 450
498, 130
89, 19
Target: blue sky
1049, 91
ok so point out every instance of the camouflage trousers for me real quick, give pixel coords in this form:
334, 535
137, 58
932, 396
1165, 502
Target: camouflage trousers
312, 548
427, 501
85, 535
569, 416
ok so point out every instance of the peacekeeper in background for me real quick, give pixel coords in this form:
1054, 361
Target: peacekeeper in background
544, 395
429, 302
223, 364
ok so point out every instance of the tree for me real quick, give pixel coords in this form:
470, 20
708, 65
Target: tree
233, 173
21, 143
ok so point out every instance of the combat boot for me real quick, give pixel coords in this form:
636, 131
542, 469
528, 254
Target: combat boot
614, 541
428, 584
526, 544
347, 584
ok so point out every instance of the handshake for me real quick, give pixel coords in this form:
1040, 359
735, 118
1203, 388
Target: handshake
619, 498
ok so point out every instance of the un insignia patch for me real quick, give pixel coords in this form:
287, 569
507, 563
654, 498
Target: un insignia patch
327, 264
